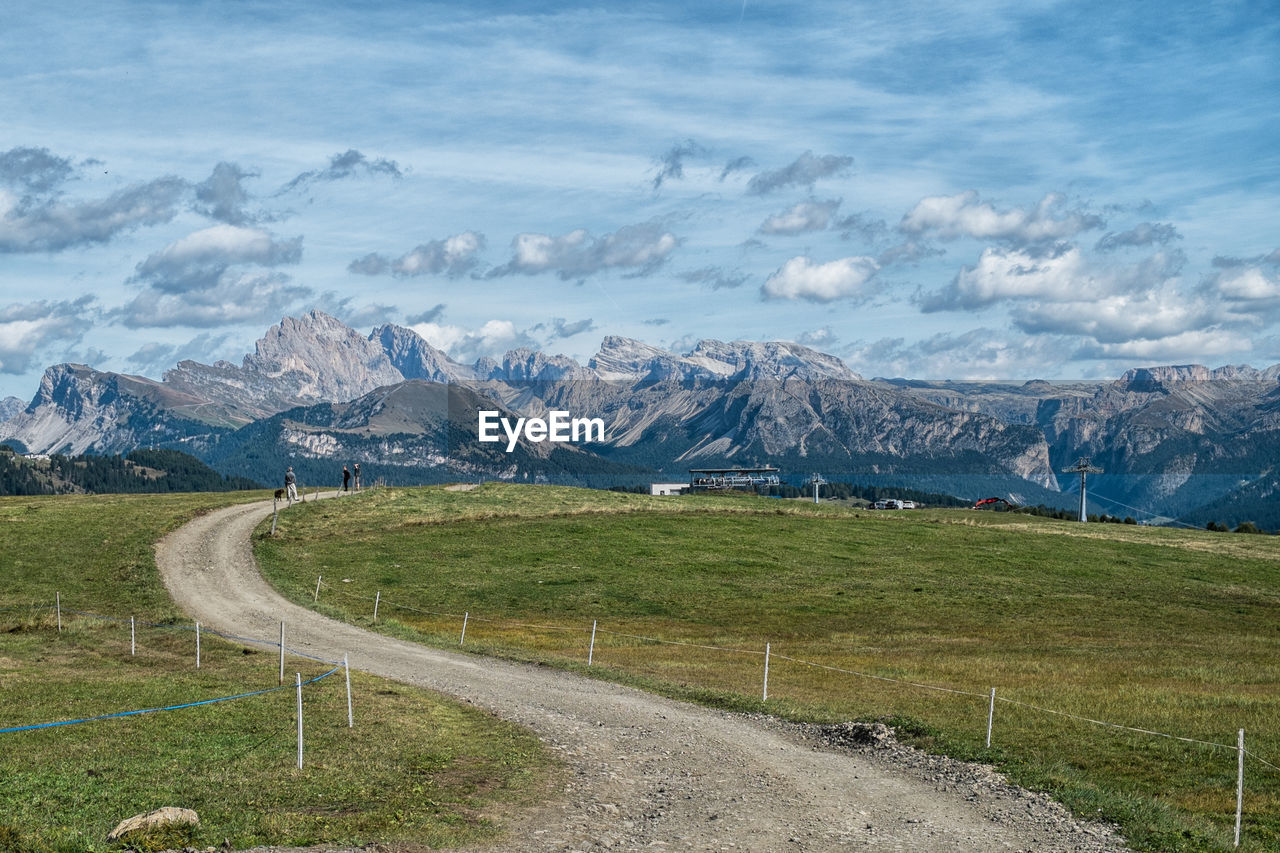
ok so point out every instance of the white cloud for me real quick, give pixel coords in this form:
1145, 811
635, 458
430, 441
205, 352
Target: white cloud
1192, 345
1016, 274
801, 278
818, 338
642, 248
805, 216
28, 329
1122, 318
234, 297
453, 256
981, 353
964, 215
1249, 284
492, 339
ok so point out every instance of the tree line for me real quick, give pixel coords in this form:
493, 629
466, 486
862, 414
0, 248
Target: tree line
138, 472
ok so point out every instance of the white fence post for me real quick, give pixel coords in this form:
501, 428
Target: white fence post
991, 716
347, 668
465, 617
57, 603
1239, 784
281, 651
316, 597
765, 698
591, 652
299, 721
197, 645
376, 601
133, 637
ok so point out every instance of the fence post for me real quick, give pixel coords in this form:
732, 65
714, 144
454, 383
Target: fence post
133, 637
991, 716
316, 597
465, 617
281, 651
1239, 784
299, 721
591, 652
197, 645
57, 603
376, 601
347, 668
766, 671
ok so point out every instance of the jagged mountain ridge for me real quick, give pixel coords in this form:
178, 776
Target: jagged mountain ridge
1170, 430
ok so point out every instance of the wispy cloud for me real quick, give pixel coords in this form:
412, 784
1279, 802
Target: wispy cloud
558, 328
715, 278
33, 170
348, 164
222, 195
46, 224
805, 171
671, 165
1143, 234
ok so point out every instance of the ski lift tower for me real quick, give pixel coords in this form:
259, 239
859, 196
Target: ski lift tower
1083, 468
816, 480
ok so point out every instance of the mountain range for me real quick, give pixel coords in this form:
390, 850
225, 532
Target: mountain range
1175, 442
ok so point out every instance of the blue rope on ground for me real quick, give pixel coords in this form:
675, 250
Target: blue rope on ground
168, 707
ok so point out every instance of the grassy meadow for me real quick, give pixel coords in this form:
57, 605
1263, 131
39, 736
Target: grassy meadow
414, 768
1172, 631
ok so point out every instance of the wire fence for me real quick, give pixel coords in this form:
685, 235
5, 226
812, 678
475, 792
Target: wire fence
991, 697
59, 611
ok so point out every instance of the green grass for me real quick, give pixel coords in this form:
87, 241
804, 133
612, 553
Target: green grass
415, 768
1172, 631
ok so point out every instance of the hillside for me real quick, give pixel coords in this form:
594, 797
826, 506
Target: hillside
910, 617
140, 472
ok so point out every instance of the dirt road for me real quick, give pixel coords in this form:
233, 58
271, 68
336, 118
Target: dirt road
647, 772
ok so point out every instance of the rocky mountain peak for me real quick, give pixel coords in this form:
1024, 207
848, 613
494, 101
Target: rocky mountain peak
624, 359
772, 360
415, 358
322, 357
524, 365
9, 407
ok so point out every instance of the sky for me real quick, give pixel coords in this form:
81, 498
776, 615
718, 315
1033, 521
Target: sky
1011, 190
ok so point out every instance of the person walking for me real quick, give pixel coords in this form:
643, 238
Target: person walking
346, 479
290, 485
357, 473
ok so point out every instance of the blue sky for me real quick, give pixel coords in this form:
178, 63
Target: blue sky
1010, 190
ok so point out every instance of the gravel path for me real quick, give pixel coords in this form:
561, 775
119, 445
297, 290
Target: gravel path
647, 772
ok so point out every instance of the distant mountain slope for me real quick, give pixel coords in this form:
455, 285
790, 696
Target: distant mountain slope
1170, 439
411, 432
142, 471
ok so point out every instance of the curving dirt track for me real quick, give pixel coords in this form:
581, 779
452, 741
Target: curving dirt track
646, 772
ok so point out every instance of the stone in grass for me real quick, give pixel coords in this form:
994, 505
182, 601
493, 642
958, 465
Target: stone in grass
162, 818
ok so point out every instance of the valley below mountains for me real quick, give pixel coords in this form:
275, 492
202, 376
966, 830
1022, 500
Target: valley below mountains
1180, 443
